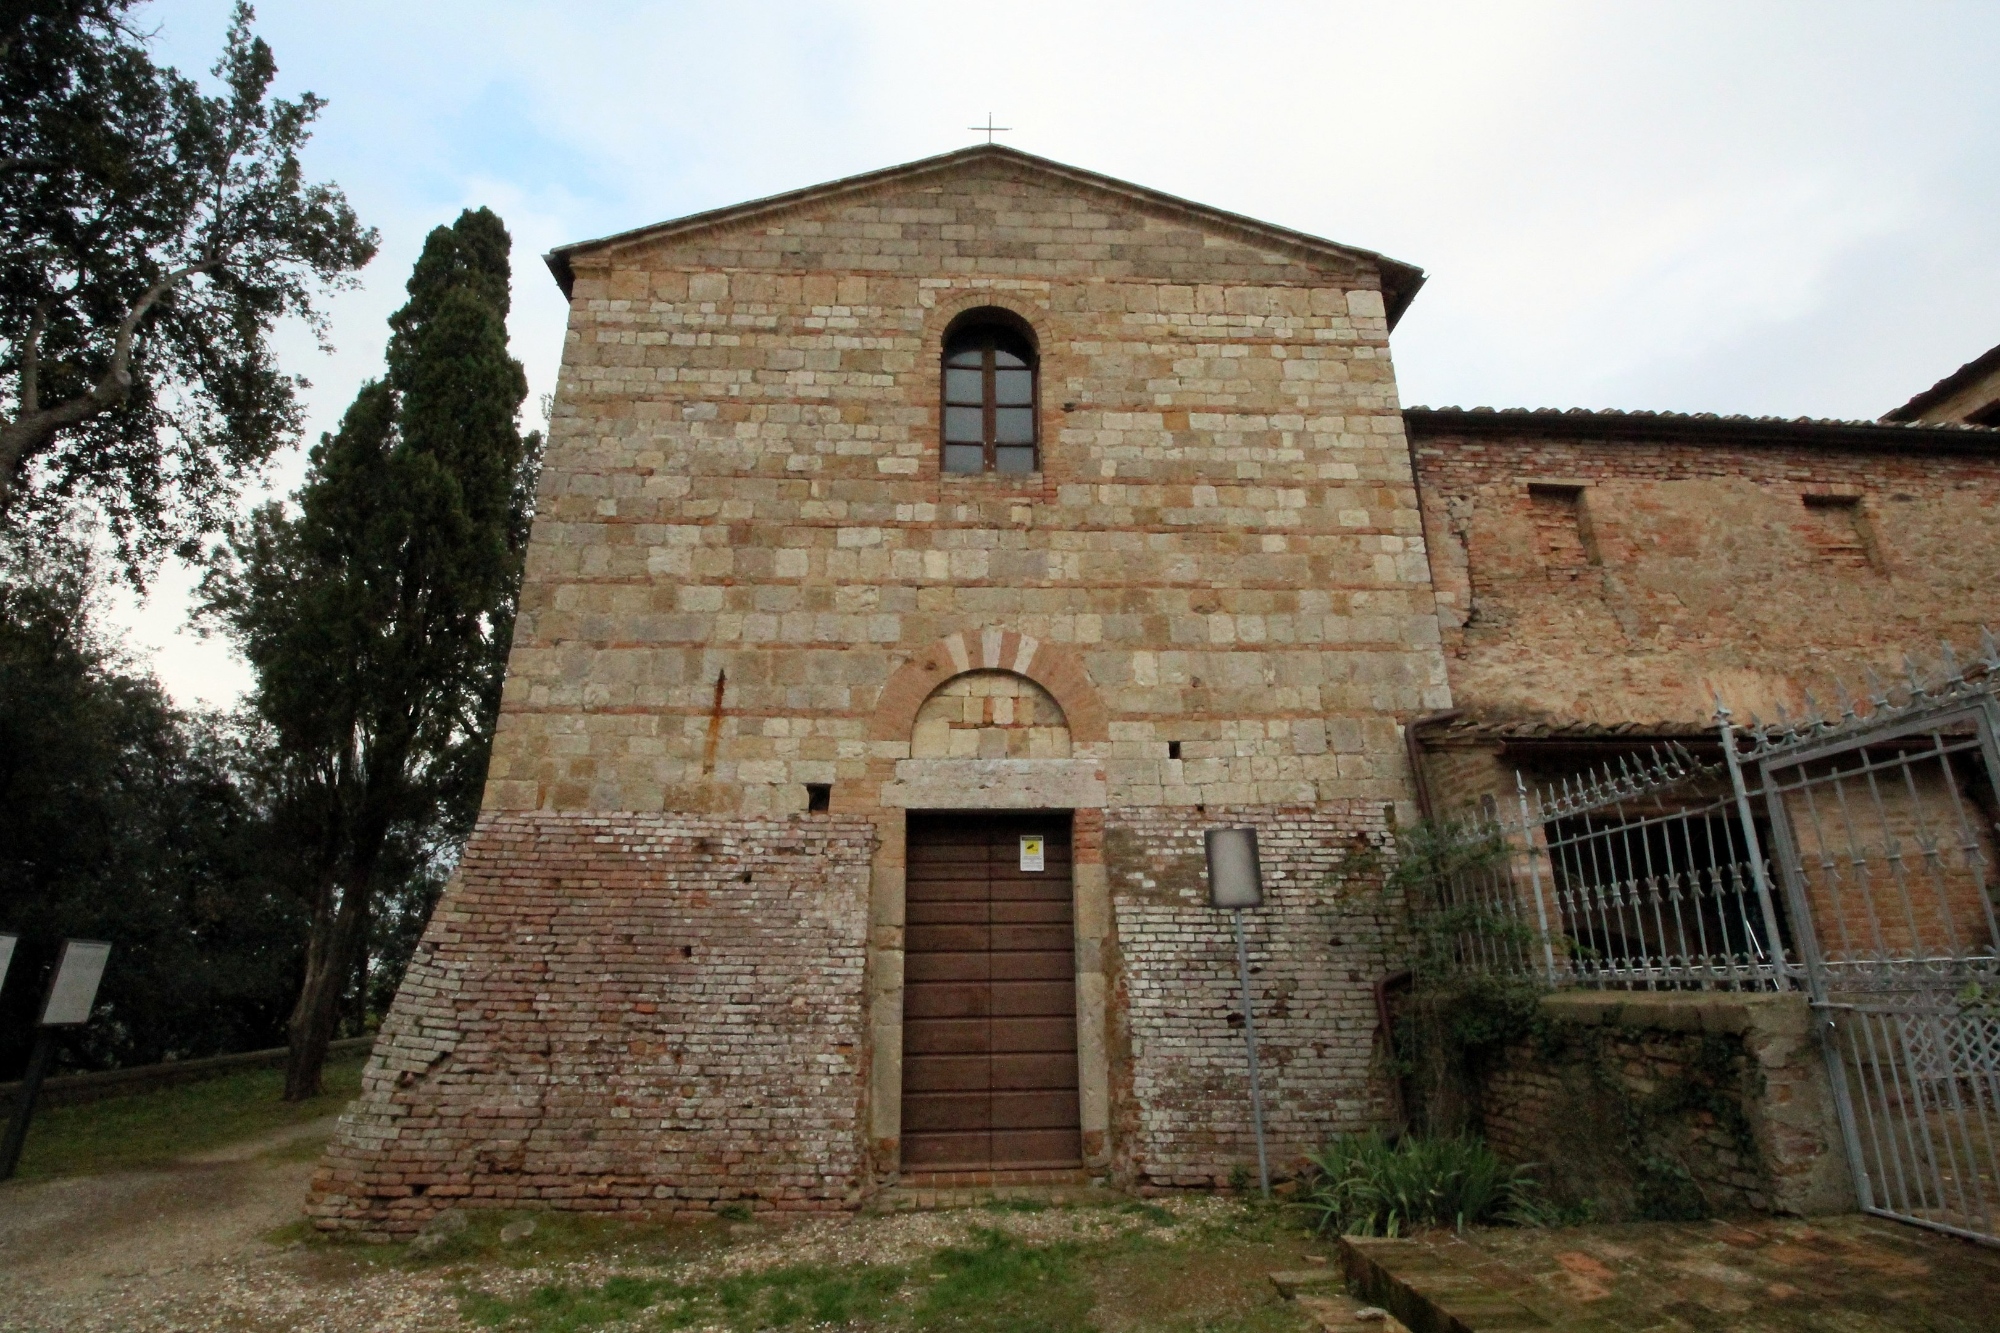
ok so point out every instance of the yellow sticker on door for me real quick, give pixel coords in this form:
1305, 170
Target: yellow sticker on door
1031, 851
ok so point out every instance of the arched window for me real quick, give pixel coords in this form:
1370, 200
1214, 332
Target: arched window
989, 394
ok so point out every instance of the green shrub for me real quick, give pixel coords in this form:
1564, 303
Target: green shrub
1364, 1185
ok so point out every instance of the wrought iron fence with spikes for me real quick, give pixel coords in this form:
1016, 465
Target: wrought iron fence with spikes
1850, 854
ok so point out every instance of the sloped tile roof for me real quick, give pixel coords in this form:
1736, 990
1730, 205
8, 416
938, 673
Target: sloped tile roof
1616, 423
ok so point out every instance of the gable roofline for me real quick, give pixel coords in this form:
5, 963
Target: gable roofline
1400, 281
1977, 368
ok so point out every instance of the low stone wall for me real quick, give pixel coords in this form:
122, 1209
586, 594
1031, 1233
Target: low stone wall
620, 1012
1672, 1105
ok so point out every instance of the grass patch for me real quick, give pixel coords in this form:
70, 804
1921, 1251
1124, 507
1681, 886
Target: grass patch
1208, 1279
803, 1295
154, 1128
997, 1285
1003, 1286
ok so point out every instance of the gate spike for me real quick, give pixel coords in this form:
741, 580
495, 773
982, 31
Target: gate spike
1953, 673
1989, 651
1814, 719
1846, 700
1878, 693
1917, 690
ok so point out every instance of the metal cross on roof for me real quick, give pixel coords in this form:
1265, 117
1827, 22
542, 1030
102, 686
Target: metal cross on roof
989, 129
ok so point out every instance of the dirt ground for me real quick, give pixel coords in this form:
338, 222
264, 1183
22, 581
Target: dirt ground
152, 1249
216, 1242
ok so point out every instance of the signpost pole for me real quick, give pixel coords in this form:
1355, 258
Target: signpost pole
24, 1106
1250, 1041
1235, 882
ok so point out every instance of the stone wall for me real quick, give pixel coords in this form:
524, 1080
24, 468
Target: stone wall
1621, 578
749, 575
621, 1012
1672, 1106
1317, 947
743, 531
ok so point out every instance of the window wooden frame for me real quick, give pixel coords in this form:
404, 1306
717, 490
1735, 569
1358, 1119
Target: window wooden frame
991, 333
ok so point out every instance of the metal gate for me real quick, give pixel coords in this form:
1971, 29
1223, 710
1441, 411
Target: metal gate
1851, 855
1883, 827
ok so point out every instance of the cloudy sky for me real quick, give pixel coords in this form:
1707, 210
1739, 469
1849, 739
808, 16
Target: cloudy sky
1769, 207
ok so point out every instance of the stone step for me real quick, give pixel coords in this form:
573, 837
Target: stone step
918, 1194
1447, 1287
1317, 1292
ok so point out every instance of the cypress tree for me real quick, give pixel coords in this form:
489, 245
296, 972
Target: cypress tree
378, 617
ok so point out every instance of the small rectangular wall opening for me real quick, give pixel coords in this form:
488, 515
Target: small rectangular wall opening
1838, 530
1562, 530
819, 797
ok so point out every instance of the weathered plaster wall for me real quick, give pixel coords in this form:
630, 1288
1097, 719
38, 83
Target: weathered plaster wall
1628, 580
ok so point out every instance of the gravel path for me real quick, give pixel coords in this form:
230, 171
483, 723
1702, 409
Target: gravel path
181, 1247
192, 1247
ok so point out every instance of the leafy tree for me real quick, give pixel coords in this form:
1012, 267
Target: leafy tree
154, 237
124, 818
378, 615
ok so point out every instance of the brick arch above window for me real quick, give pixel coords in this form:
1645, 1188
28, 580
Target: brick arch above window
1056, 668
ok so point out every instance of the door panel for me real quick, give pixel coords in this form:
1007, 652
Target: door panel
989, 1001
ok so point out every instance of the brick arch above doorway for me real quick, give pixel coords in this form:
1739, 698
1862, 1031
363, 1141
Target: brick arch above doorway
1055, 667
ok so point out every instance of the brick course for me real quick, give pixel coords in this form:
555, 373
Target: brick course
1317, 947
620, 1012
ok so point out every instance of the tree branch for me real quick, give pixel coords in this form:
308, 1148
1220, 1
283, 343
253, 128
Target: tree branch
31, 361
34, 426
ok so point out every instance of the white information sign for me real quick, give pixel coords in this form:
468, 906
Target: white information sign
1031, 851
77, 975
7, 943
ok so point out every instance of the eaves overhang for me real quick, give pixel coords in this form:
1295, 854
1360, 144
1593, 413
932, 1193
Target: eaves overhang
1699, 427
1976, 369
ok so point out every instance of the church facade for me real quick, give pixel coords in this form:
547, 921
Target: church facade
922, 562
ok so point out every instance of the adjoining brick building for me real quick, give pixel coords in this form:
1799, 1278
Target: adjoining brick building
923, 560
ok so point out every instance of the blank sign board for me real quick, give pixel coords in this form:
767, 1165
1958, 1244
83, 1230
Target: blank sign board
75, 988
7, 943
1235, 881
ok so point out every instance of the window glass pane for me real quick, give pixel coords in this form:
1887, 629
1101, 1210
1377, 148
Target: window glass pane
964, 386
964, 424
1013, 386
1003, 357
1014, 458
965, 356
964, 458
1014, 425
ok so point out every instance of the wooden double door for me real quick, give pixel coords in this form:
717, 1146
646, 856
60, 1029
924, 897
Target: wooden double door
989, 994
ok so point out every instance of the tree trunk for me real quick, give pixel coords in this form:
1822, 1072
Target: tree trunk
329, 965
